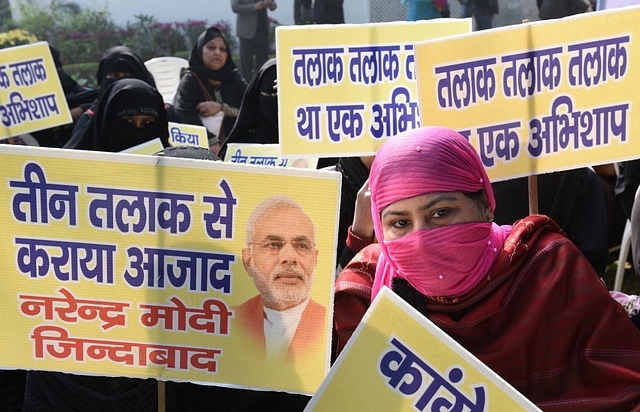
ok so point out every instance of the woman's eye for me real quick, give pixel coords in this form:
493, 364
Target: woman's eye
440, 213
400, 224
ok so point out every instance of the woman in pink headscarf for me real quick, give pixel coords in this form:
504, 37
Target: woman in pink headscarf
521, 298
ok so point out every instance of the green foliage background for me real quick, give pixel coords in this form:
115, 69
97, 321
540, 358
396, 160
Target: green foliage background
82, 35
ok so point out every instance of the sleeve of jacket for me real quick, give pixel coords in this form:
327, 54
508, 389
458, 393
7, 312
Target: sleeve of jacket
187, 98
581, 5
352, 296
242, 8
239, 89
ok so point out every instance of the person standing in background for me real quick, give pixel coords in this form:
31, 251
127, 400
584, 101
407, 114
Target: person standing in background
328, 11
302, 12
421, 10
252, 28
555, 9
465, 7
483, 11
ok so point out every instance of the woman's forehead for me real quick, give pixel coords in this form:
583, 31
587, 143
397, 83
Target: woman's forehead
216, 40
423, 201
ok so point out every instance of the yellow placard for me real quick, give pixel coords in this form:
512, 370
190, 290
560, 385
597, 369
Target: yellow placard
146, 148
539, 97
181, 134
344, 89
31, 96
138, 266
610, 4
265, 154
398, 360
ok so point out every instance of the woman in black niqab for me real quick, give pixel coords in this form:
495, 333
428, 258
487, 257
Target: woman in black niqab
117, 62
114, 130
258, 116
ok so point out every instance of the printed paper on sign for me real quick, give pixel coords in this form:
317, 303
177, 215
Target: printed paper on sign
31, 95
398, 360
539, 97
166, 268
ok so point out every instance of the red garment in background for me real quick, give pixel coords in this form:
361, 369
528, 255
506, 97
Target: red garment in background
542, 320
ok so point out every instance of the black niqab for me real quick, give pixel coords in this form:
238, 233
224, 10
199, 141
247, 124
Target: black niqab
124, 60
128, 97
258, 115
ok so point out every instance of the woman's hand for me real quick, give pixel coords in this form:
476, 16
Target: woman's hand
362, 220
208, 108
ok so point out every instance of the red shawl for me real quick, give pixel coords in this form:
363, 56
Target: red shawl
542, 319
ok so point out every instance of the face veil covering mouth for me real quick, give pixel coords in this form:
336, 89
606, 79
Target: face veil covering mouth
129, 97
447, 261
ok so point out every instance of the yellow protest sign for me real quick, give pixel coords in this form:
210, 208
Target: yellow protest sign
31, 96
539, 97
610, 4
345, 89
398, 360
181, 134
159, 267
265, 154
146, 148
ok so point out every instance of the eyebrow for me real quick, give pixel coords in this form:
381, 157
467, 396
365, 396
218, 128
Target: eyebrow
295, 238
271, 237
426, 206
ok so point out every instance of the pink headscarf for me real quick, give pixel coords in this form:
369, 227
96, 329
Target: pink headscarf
417, 162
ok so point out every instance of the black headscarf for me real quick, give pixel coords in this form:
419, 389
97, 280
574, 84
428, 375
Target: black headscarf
128, 97
116, 59
354, 174
258, 116
68, 84
74, 93
122, 59
196, 64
